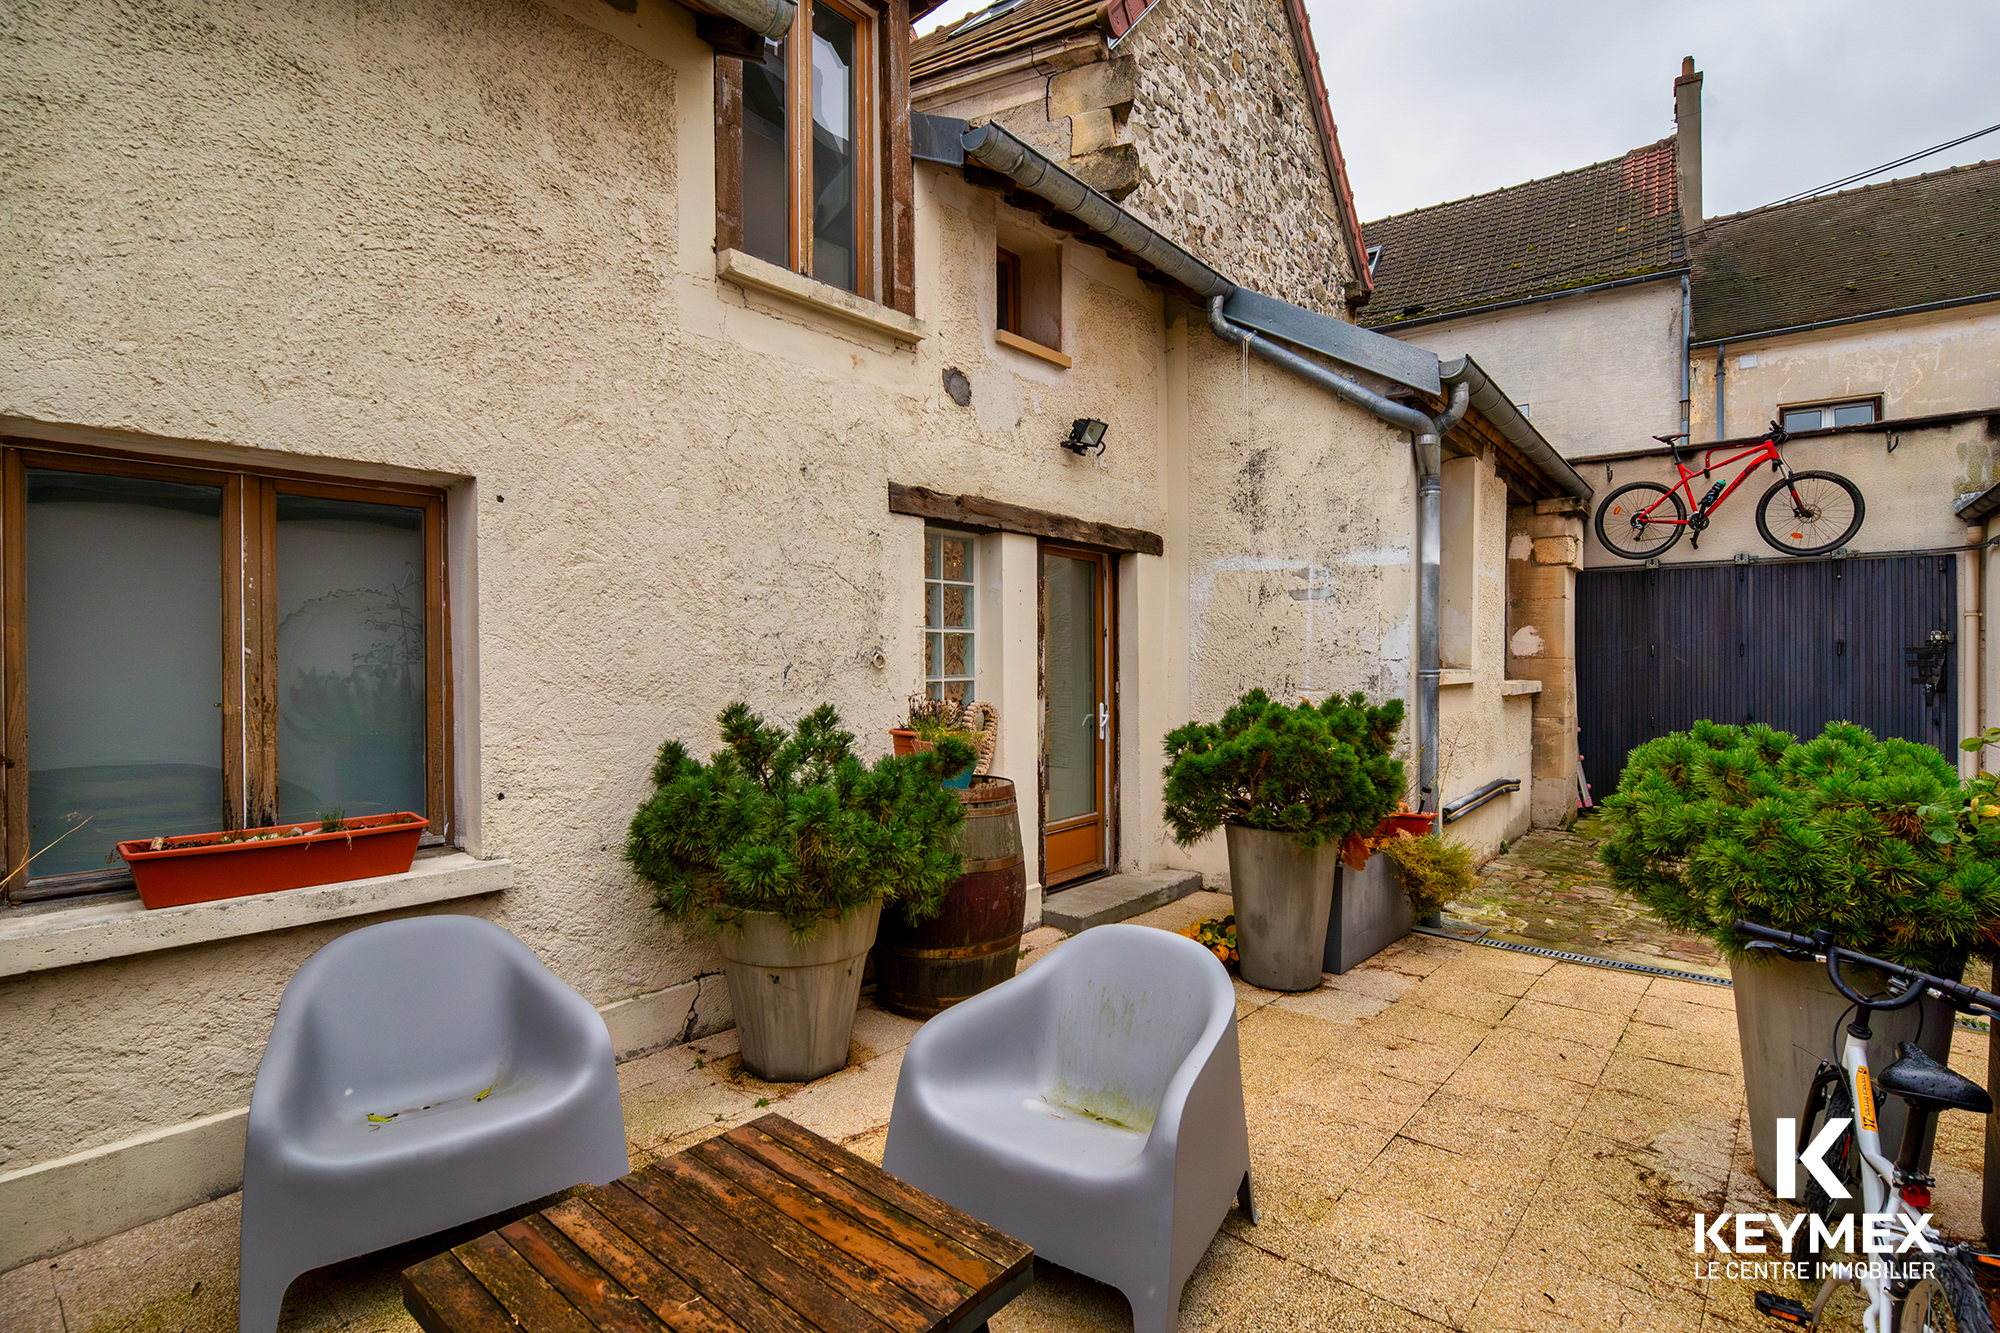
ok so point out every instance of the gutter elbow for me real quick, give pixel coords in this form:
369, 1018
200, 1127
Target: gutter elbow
1461, 397
1219, 324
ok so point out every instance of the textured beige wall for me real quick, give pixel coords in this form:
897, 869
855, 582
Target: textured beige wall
1598, 373
472, 245
1945, 361
1907, 494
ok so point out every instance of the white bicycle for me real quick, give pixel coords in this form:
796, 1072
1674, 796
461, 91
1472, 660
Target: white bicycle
1916, 1282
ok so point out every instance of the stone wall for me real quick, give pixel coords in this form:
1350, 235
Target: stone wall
1215, 79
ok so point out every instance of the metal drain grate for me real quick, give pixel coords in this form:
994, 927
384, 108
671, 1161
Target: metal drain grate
1616, 965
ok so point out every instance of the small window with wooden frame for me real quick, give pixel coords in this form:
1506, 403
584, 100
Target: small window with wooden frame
1027, 294
806, 134
190, 648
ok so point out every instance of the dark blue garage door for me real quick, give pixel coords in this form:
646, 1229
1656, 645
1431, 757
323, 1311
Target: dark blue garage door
1793, 643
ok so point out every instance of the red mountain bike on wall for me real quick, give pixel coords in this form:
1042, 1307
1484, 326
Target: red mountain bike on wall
1804, 513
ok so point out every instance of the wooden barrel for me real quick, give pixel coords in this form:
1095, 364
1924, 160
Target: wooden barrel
974, 942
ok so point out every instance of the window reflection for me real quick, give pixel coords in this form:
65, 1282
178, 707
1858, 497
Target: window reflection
767, 196
834, 217
351, 655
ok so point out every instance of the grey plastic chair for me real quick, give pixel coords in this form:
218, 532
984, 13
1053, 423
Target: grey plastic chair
1092, 1108
493, 1080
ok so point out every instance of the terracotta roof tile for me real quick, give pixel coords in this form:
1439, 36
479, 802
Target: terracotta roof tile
1882, 247
977, 38
1610, 220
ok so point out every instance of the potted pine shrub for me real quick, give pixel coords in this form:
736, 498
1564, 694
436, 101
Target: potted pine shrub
1870, 839
1287, 783
788, 846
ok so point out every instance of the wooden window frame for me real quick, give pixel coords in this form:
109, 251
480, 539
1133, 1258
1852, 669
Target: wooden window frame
885, 249
1006, 291
942, 680
249, 632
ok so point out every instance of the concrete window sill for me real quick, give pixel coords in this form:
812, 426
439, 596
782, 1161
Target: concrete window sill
1447, 679
1034, 349
40, 940
1512, 687
758, 275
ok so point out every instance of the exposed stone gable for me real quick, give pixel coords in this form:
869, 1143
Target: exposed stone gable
1230, 161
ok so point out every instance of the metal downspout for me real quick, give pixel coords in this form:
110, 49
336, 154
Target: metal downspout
1719, 350
1427, 444
1687, 316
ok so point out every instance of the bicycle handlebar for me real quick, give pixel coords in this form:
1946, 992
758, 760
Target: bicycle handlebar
1956, 993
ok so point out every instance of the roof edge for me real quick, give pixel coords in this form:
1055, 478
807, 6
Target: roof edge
1522, 185
1329, 135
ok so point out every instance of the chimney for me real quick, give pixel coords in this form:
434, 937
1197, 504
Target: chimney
1687, 144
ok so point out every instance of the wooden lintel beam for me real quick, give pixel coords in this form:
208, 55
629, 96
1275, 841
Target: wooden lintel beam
980, 514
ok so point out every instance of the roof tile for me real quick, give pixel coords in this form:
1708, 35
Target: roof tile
1610, 220
1860, 252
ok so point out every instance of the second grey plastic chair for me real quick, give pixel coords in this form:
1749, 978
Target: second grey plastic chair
420, 1074
1092, 1108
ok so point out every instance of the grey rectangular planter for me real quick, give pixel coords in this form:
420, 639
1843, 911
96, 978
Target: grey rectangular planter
1370, 912
1787, 1016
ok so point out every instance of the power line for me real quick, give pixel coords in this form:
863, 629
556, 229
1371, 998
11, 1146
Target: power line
1846, 181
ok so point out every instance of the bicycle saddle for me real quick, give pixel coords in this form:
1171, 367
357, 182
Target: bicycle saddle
1923, 1082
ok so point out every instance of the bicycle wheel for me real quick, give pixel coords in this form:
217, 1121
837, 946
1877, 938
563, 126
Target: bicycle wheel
1810, 512
1625, 529
1948, 1301
1829, 1099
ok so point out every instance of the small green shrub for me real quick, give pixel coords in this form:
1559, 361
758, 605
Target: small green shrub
1317, 773
1435, 870
795, 823
1871, 840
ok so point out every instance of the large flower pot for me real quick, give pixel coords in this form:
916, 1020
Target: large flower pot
1786, 1018
794, 1001
1370, 912
974, 942
1282, 897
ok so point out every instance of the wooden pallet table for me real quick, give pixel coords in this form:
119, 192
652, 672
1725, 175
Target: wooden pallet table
766, 1229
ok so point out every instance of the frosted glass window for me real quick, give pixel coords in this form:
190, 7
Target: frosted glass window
124, 665
351, 658
948, 610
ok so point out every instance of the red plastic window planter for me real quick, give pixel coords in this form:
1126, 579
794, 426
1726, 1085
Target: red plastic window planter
201, 867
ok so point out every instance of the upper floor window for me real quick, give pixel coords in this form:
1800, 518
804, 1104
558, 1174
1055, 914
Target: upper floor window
808, 147
1825, 416
193, 649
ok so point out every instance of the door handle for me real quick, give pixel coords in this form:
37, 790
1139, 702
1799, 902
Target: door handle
1103, 721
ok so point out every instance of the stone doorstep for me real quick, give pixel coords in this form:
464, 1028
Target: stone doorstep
1116, 898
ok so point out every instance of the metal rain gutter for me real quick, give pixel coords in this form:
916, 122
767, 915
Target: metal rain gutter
1461, 381
1517, 430
997, 150
1427, 443
771, 19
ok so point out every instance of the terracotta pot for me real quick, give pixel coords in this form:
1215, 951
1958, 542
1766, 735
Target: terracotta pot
904, 740
185, 871
1416, 825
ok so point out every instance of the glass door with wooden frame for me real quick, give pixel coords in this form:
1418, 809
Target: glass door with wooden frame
1079, 706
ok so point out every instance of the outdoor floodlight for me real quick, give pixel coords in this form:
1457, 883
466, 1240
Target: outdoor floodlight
1085, 437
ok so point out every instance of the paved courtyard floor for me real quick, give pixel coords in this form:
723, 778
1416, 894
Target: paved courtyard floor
1449, 1137
1548, 889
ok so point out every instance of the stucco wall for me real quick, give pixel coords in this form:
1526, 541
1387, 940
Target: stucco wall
1597, 373
1945, 361
1907, 493
472, 247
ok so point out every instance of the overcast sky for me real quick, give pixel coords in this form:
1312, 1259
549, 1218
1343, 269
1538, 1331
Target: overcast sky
1439, 99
